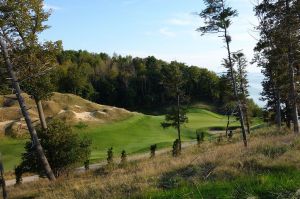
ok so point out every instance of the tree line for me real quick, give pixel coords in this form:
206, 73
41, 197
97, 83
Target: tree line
278, 54
132, 83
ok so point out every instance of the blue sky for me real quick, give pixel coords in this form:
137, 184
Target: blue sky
163, 28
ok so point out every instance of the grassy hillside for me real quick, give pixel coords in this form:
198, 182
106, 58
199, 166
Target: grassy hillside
135, 135
268, 168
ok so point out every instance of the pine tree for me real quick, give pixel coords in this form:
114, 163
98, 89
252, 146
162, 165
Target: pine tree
278, 54
241, 63
217, 16
173, 83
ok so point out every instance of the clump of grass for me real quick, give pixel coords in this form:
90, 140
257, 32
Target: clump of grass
272, 131
272, 151
153, 150
81, 125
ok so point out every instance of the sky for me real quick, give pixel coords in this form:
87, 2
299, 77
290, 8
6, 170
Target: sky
163, 28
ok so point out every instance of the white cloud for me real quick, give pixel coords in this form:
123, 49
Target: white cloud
166, 32
179, 22
183, 19
51, 7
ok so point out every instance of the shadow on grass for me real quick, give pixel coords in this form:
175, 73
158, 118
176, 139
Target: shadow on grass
181, 176
258, 181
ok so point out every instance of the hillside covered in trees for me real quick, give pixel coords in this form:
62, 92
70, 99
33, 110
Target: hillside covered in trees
133, 83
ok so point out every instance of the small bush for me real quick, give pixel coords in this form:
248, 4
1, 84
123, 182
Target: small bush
200, 134
86, 165
110, 156
123, 158
223, 128
153, 150
63, 148
81, 125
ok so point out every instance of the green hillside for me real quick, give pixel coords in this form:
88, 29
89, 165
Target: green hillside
134, 135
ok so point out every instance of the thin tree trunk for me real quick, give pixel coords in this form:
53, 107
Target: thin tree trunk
2, 181
247, 119
178, 119
25, 113
245, 109
240, 109
293, 93
228, 120
278, 110
41, 113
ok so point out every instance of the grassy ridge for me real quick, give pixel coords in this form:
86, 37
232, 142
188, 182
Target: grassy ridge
135, 135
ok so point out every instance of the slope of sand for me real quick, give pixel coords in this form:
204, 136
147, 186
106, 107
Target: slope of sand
68, 107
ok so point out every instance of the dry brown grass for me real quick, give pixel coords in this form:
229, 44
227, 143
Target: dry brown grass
209, 161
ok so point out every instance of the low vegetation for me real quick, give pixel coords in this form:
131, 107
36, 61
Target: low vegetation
64, 149
211, 170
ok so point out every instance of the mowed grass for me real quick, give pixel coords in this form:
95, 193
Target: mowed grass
134, 135
11, 150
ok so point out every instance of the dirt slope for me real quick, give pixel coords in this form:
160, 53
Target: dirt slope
68, 107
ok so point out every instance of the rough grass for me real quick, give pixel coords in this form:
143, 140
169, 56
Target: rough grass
213, 170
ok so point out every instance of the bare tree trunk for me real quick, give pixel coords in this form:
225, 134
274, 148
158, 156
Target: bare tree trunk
228, 120
278, 110
25, 113
240, 107
247, 119
233, 80
293, 94
178, 119
41, 113
2, 181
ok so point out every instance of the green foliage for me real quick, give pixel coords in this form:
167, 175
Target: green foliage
172, 119
110, 156
123, 158
64, 149
153, 150
254, 109
132, 83
200, 134
277, 52
81, 125
217, 17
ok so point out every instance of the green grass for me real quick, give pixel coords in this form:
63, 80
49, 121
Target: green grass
271, 184
135, 135
11, 150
